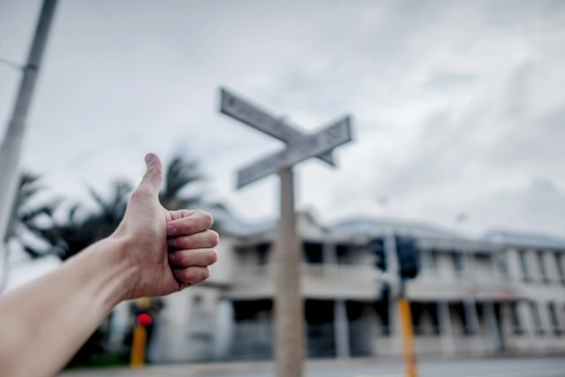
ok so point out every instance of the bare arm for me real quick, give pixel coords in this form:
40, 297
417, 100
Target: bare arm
153, 252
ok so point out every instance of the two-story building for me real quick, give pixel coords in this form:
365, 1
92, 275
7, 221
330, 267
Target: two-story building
504, 293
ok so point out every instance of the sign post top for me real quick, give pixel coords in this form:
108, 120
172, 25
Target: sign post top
236, 107
300, 146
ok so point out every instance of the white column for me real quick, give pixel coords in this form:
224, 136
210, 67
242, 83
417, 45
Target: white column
473, 320
492, 326
447, 343
513, 264
224, 329
341, 329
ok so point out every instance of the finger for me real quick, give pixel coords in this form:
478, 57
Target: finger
192, 275
179, 214
201, 240
198, 221
190, 258
153, 178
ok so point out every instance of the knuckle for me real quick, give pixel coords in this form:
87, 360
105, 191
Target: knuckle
206, 273
183, 242
141, 193
213, 256
180, 258
158, 173
214, 237
207, 218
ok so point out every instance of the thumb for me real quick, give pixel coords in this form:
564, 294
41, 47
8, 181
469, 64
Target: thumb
153, 178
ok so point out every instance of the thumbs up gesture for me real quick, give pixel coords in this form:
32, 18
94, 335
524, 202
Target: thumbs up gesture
166, 250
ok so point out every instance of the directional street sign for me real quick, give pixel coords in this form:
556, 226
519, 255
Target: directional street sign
287, 252
253, 116
308, 146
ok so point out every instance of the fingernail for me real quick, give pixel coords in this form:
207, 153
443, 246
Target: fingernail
172, 242
148, 158
171, 229
171, 257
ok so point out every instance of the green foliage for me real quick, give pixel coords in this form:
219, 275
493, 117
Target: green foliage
179, 174
26, 218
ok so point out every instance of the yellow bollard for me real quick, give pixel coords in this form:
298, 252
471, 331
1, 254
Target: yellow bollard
139, 340
138, 346
407, 337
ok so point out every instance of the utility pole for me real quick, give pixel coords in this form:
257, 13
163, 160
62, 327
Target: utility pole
289, 305
11, 146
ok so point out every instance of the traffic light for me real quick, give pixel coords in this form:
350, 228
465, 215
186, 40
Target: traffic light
144, 319
142, 311
408, 257
377, 247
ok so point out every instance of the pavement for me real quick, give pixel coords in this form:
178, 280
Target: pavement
485, 367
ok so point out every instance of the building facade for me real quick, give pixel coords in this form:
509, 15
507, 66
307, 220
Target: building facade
504, 294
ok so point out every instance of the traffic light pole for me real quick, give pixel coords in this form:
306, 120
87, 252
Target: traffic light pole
139, 338
407, 331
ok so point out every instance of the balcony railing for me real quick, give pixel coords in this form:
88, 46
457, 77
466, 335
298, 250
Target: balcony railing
359, 273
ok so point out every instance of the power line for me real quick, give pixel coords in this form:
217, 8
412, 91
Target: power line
11, 64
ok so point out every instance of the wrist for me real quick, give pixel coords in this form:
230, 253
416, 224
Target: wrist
117, 274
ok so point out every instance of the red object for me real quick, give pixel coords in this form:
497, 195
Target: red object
144, 319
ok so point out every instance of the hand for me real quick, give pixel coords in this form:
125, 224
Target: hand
169, 250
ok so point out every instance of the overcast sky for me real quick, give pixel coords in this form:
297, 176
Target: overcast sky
458, 106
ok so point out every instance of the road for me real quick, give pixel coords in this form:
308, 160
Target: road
500, 367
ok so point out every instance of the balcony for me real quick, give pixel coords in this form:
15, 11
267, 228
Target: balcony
321, 281
433, 285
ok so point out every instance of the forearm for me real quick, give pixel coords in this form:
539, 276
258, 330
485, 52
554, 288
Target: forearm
45, 322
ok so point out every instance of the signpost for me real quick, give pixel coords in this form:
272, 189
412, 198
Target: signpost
308, 146
289, 311
253, 116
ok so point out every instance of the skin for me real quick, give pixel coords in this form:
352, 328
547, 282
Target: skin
153, 252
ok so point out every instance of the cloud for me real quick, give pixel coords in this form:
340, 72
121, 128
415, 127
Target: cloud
453, 102
539, 206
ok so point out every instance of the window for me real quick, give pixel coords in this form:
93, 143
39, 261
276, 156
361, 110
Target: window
383, 314
559, 267
433, 259
263, 254
553, 317
313, 253
536, 318
542, 269
502, 267
343, 254
457, 262
460, 314
197, 300
515, 318
483, 263
524, 265
424, 318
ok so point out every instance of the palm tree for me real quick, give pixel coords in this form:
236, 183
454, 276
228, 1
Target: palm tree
179, 175
24, 226
77, 233
26, 220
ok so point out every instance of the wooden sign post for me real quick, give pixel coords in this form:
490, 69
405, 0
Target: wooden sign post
289, 306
